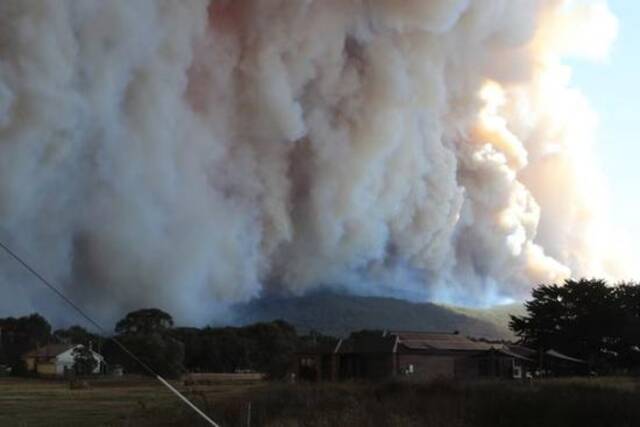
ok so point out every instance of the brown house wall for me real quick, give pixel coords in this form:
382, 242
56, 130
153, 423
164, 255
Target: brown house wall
46, 369
42, 366
467, 368
318, 367
365, 366
31, 363
379, 366
428, 366
425, 366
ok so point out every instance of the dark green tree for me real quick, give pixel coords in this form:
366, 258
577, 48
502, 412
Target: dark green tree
581, 317
84, 362
162, 353
263, 347
145, 321
147, 333
77, 335
20, 335
270, 347
628, 325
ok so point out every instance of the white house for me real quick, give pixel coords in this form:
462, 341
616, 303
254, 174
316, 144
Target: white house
57, 359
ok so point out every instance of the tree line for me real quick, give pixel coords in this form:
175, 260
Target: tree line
587, 318
171, 351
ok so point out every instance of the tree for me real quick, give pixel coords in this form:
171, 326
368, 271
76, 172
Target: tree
147, 334
586, 318
271, 346
263, 347
20, 335
628, 324
84, 362
77, 335
145, 321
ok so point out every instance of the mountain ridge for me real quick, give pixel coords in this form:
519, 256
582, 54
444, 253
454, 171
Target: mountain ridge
339, 314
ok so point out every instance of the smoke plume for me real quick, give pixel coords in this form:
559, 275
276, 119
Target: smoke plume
190, 154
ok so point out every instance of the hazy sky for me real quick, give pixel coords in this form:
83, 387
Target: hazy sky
134, 192
614, 90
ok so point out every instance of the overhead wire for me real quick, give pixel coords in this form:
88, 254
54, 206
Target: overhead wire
98, 326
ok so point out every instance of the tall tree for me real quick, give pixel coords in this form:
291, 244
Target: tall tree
628, 343
145, 321
582, 318
262, 347
77, 335
147, 333
20, 335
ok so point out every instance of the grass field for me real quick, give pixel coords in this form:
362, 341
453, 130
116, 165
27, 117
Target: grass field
115, 402
610, 402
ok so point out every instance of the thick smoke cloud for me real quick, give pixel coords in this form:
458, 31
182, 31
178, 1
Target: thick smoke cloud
190, 154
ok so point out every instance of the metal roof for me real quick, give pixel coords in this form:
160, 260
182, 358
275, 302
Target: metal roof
366, 344
391, 341
49, 351
507, 352
558, 355
522, 350
439, 341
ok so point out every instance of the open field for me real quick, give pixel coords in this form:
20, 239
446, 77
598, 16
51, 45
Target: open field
115, 402
611, 402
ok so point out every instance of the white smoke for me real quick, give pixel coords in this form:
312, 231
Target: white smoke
190, 154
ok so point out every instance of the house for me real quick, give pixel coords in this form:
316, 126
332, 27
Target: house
317, 362
425, 356
57, 360
411, 355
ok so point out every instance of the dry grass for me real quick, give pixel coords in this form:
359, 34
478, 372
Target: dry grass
110, 402
610, 402
212, 379
141, 402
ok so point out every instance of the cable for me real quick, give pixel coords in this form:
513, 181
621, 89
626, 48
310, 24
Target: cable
146, 367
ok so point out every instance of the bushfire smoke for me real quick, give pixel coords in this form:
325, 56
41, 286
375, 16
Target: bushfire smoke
189, 154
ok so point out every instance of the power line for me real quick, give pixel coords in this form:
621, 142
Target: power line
88, 318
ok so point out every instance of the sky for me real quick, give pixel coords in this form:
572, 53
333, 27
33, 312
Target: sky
613, 89
132, 219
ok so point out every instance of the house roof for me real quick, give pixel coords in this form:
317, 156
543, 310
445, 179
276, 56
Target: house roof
367, 343
507, 352
388, 342
558, 355
54, 350
49, 351
522, 350
439, 341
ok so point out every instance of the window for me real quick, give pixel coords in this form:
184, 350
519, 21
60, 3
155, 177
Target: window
517, 372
